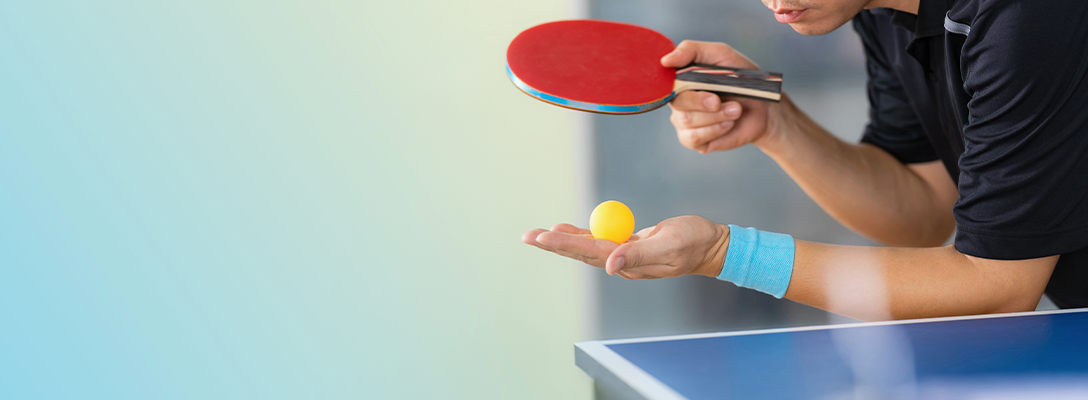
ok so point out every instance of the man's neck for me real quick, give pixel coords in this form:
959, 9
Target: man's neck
909, 6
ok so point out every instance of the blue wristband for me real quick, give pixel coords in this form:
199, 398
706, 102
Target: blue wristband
759, 260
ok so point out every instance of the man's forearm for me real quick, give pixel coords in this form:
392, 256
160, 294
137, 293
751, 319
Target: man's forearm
877, 283
861, 186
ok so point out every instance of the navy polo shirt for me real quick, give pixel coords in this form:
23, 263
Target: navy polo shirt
998, 91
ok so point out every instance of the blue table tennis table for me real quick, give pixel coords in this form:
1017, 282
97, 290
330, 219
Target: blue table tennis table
1034, 355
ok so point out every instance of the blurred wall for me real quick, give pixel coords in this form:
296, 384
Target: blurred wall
280, 199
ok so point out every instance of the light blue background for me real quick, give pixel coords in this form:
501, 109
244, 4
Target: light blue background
279, 199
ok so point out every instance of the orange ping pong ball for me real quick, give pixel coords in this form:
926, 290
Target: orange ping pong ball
612, 220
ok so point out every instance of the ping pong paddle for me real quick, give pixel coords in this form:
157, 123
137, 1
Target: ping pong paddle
615, 68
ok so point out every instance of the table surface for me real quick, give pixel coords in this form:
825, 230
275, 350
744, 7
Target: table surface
1019, 355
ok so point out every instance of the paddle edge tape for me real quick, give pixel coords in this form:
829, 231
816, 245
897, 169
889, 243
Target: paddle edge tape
583, 106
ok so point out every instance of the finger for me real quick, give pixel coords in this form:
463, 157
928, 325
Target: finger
530, 237
704, 52
682, 55
695, 138
575, 243
643, 233
580, 247
694, 100
584, 259
640, 235
698, 119
739, 136
727, 142
656, 249
568, 228
690, 51
715, 53
732, 110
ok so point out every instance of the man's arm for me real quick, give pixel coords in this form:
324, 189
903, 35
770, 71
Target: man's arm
861, 186
875, 283
868, 283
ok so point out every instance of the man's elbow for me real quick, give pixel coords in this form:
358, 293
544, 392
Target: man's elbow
1009, 286
929, 236
1020, 303
937, 232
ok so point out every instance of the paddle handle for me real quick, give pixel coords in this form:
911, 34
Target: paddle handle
760, 85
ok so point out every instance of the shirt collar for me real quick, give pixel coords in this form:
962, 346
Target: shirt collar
928, 22
931, 17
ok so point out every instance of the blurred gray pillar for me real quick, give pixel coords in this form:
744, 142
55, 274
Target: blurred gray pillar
638, 160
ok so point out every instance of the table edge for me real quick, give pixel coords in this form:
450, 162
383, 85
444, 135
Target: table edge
619, 374
830, 327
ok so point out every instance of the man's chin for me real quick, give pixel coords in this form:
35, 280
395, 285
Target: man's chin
813, 29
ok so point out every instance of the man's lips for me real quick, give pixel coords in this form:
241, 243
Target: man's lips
788, 16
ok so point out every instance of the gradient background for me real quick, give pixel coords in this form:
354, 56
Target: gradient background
280, 199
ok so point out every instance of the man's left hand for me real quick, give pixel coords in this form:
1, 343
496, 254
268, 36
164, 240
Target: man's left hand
677, 246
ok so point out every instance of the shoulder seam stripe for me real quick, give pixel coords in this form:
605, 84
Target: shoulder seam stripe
956, 27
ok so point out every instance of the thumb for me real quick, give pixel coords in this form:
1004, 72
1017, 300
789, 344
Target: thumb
678, 57
652, 250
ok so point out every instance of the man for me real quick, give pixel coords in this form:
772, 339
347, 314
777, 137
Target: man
978, 125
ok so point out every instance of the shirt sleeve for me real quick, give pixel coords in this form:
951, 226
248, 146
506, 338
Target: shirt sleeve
1024, 173
893, 123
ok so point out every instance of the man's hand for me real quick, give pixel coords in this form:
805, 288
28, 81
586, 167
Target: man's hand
706, 122
677, 246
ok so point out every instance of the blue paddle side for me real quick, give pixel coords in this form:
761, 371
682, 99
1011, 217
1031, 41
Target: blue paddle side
593, 107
